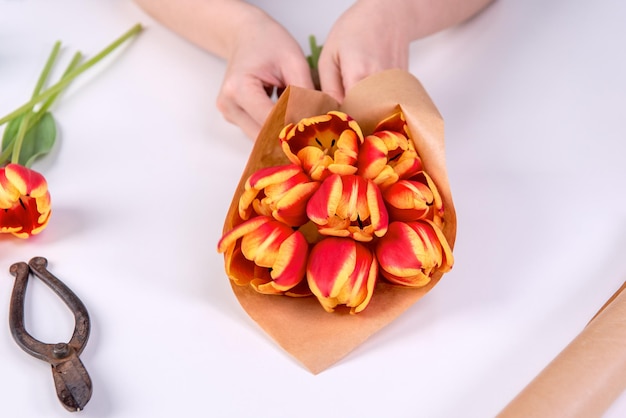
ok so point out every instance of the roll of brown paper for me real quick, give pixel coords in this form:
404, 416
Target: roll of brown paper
587, 376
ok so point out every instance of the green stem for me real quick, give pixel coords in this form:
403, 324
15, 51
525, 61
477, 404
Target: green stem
46, 69
19, 138
25, 122
48, 103
316, 50
36, 116
61, 84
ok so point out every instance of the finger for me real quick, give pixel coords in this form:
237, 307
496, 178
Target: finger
330, 78
249, 127
298, 73
236, 115
246, 97
247, 124
351, 76
256, 104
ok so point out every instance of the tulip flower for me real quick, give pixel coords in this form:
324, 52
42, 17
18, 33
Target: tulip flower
323, 145
29, 134
266, 254
348, 206
410, 253
342, 271
24, 201
417, 198
387, 156
281, 192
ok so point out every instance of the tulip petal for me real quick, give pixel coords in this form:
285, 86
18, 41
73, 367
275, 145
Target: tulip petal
323, 144
342, 272
411, 252
387, 156
263, 244
290, 265
266, 254
27, 181
229, 239
394, 122
348, 206
325, 200
408, 200
25, 201
280, 192
238, 268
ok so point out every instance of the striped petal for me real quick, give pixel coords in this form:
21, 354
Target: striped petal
395, 122
323, 144
281, 192
410, 253
25, 199
387, 156
348, 206
266, 254
342, 272
408, 200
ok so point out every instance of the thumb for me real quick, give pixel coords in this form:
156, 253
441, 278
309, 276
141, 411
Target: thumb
331, 79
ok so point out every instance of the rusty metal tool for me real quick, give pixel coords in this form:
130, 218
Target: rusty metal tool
71, 380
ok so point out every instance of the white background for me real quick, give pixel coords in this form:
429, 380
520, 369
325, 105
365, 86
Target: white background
534, 96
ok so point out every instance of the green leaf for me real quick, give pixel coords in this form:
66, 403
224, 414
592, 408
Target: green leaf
38, 140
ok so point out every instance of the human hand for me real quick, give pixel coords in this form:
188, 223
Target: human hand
263, 56
370, 36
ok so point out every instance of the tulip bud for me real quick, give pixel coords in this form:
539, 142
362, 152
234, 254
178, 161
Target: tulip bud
342, 271
24, 201
413, 199
281, 192
265, 253
348, 206
387, 156
410, 253
323, 144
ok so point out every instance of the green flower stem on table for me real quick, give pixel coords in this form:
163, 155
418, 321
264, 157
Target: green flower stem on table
13, 140
61, 84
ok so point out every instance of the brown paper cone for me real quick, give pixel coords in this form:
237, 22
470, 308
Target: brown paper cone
586, 377
300, 325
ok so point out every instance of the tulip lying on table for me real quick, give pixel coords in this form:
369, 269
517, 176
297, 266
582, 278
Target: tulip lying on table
29, 134
346, 204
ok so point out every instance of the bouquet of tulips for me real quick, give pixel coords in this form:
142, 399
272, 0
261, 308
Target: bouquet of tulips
348, 205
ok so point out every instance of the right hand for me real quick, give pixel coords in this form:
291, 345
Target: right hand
263, 56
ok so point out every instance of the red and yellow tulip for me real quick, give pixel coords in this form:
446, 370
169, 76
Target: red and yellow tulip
411, 252
414, 199
266, 254
323, 144
281, 192
348, 206
24, 201
342, 271
386, 157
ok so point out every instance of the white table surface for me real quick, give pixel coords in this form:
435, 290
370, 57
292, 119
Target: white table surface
534, 96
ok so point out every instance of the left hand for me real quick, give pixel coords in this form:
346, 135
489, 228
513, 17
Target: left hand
369, 37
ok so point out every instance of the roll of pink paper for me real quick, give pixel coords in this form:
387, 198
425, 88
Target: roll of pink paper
587, 376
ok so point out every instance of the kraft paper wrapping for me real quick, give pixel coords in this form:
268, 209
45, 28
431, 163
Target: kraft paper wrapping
314, 337
587, 376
